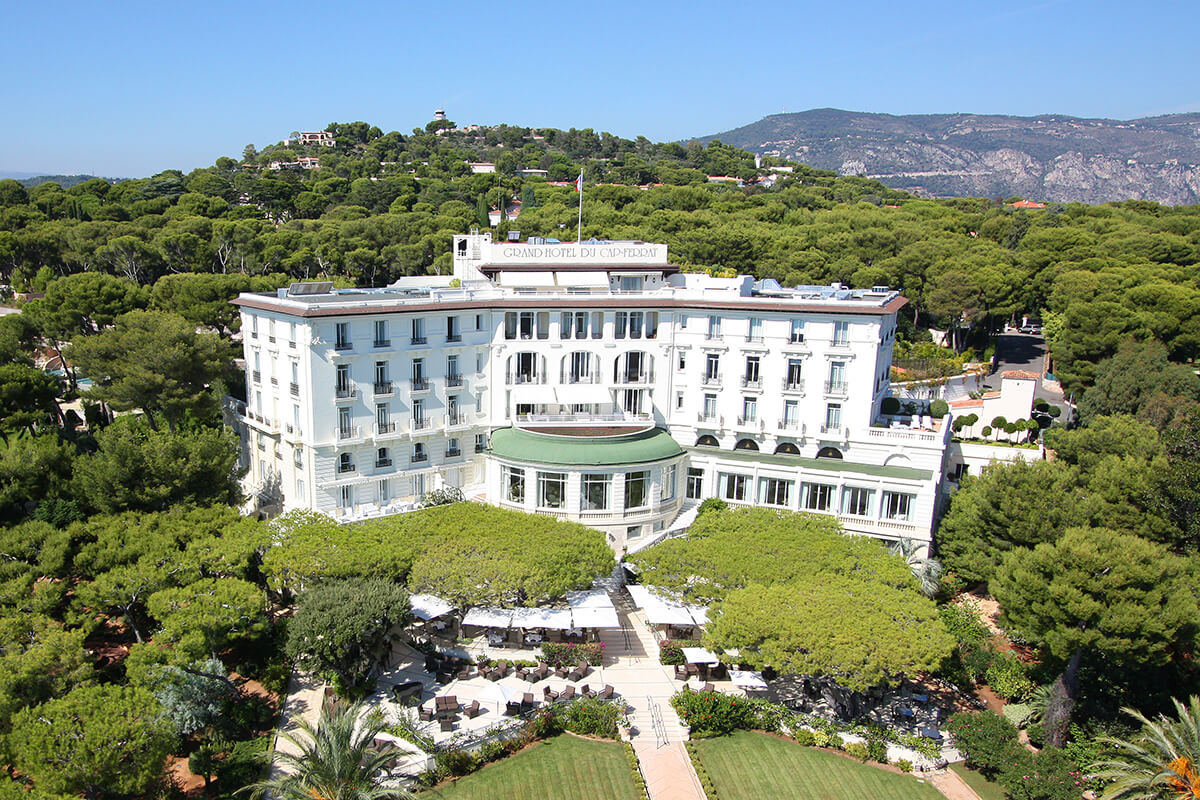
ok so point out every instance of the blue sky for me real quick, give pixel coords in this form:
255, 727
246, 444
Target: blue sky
131, 88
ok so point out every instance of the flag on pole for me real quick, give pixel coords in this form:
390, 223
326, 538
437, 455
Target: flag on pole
579, 182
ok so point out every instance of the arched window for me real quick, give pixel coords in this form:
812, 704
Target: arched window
787, 448
829, 452
383, 458
345, 463
707, 441
636, 366
746, 444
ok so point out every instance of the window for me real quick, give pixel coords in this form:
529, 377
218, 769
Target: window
581, 324
753, 377
596, 492
816, 496
384, 490
857, 501
833, 417
419, 454
597, 324
418, 413
580, 370
383, 422
565, 321
381, 333
480, 442
300, 489
525, 324
682, 363
749, 409
345, 431
552, 489
714, 327
631, 283
666, 488
543, 324
622, 324
755, 331
651, 324
898, 506
794, 381
710, 406
347, 496
418, 331
636, 324
342, 381
452, 414
453, 376
452, 333
418, 484
479, 322
797, 334
452, 449
695, 483
636, 489
841, 334
791, 413
510, 325
735, 486
631, 401
712, 367
775, 491
342, 336
633, 531
679, 397
345, 463
253, 327
837, 377
383, 458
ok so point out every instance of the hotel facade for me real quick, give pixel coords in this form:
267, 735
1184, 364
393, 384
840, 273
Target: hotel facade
590, 381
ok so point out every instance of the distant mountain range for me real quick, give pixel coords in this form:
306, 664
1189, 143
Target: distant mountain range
1052, 157
28, 179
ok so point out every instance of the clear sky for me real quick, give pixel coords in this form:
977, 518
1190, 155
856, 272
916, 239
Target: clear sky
130, 88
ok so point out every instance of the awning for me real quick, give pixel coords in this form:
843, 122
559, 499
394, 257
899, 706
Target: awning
663, 614
662, 610
642, 595
590, 598
426, 606
595, 617
700, 614
525, 279
582, 394
747, 679
590, 280
488, 617
699, 655
556, 618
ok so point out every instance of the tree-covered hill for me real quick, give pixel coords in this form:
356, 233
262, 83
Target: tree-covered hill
382, 205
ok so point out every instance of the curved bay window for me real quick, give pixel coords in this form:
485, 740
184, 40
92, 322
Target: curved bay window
514, 484
552, 490
637, 489
596, 491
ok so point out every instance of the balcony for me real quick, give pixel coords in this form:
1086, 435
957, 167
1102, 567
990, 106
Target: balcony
480, 447
349, 433
419, 458
453, 338
712, 420
456, 419
344, 468
383, 463
790, 425
292, 343
796, 338
343, 346
345, 392
253, 334
271, 339
754, 338
422, 424
453, 452
793, 385
381, 343
836, 388
832, 430
294, 388
419, 385
274, 381
646, 376
522, 378
711, 379
751, 383
713, 335
454, 380
418, 341
578, 377
748, 421
840, 344
256, 376
384, 428
383, 387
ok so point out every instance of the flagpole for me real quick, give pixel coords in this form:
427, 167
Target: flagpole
579, 234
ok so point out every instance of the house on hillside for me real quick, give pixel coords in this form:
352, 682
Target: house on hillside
1027, 204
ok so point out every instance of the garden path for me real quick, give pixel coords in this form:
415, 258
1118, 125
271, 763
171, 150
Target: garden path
951, 784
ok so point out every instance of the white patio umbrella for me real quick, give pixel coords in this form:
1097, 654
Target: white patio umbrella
496, 692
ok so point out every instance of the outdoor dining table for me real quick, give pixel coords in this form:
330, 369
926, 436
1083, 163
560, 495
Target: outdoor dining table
533, 638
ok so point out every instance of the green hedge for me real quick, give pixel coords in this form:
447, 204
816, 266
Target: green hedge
568, 654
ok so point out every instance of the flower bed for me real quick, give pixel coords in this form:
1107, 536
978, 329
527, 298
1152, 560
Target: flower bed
670, 651
568, 654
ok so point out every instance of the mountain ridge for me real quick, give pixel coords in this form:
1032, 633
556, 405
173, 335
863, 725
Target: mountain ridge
1052, 157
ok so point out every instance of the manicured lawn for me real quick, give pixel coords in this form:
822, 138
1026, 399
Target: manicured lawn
749, 766
563, 768
987, 790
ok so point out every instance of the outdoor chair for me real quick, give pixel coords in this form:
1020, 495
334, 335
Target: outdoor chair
444, 677
513, 709
447, 723
606, 693
562, 671
493, 674
681, 673
567, 693
527, 700
693, 669
425, 714
586, 691
549, 694
708, 687
464, 673
502, 667
719, 672
472, 711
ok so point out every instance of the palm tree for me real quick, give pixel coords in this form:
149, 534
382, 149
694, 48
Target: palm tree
1162, 762
927, 571
335, 760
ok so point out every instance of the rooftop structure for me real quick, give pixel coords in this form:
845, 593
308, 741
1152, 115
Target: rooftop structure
592, 381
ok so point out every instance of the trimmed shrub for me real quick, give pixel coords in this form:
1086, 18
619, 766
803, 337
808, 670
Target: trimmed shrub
857, 750
568, 654
939, 408
589, 716
988, 740
712, 504
904, 765
889, 405
713, 712
804, 736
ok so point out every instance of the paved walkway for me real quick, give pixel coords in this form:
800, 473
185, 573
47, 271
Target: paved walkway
304, 695
668, 771
951, 784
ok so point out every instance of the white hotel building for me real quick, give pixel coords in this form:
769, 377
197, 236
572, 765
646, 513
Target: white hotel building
593, 382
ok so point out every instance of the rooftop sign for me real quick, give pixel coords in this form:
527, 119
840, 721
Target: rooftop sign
634, 253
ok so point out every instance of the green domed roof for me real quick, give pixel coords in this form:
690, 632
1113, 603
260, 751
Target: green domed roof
640, 447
